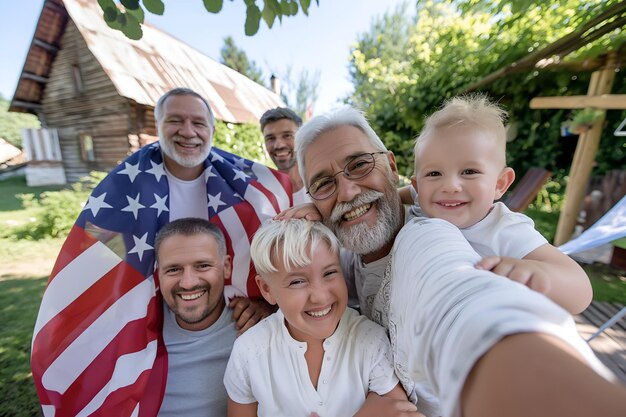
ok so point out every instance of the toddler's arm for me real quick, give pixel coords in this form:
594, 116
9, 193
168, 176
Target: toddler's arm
392, 404
241, 410
548, 271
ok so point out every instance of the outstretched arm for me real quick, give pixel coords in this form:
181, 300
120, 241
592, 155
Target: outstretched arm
533, 374
242, 410
548, 271
247, 312
392, 404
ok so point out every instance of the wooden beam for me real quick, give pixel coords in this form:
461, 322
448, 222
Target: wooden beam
45, 45
34, 77
26, 105
600, 84
603, 101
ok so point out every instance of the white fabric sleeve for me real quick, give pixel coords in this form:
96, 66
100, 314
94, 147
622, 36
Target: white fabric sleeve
382, 377
236, 377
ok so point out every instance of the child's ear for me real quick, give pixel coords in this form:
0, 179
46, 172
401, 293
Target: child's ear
265, 289
414, 182
506, 178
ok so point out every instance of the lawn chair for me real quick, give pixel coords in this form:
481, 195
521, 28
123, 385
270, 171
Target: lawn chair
526, 189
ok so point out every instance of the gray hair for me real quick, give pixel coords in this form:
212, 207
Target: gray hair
279, 113
294, 239
180, 91
472, 109
190, 226
344, 116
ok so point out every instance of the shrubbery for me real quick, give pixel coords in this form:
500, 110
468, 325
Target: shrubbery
56, 210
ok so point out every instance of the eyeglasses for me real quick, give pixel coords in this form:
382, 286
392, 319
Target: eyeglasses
356, 168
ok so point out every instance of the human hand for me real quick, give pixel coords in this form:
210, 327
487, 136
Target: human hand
247, 312
527, 272
303, 211
376, 406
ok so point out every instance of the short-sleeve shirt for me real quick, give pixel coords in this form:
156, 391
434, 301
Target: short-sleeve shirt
267, 366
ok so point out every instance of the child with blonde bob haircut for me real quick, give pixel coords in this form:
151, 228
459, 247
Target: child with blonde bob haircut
460, 170
315, 356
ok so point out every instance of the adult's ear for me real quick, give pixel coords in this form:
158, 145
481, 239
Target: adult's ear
227, 267
392, 164
265, 289
505, 179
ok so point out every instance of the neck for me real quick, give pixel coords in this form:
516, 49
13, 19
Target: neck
294, 177
181, 172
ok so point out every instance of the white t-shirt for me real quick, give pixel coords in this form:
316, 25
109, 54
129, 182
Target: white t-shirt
444, 314
268, 366
504, 233
187, 198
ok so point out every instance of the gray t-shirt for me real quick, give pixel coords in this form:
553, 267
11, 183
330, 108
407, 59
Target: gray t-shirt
196, 365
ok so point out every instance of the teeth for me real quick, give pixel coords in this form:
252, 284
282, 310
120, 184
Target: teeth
357, 212
189, 297
450, 204
320, 313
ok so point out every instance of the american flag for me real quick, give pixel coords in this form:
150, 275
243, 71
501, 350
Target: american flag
97, 347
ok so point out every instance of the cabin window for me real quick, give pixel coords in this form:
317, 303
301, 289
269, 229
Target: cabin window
86, 148
78, 79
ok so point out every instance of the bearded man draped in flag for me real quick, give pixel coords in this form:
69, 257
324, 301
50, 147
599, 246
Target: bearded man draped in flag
99, 344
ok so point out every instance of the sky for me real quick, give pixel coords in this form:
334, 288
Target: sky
320, 42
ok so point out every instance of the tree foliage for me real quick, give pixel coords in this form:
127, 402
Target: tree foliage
243, 139
11, 123
407, 64
130, 18
236, 58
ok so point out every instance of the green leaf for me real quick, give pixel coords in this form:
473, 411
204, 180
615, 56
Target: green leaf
304, 4
137, 14
109, 10
214, 6
132, 28
154, 6
253, 18
269, 16
284, 7
274, 6
294, 8
130, 4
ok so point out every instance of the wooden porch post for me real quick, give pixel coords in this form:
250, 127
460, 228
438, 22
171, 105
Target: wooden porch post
584, 156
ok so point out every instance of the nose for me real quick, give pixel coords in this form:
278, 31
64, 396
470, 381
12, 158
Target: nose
186, 130
189, 279
319, 294
452, 185
347, 189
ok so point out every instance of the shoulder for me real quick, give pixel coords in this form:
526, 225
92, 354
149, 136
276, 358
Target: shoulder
258, 339
354, 323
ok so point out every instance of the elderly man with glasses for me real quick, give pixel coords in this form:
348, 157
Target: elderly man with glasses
465, 342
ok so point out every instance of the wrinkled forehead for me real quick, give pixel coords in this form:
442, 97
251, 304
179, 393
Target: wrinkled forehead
333, 149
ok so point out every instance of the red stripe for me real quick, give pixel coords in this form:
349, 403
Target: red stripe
76, 243
65, 327
134, 337
268, 194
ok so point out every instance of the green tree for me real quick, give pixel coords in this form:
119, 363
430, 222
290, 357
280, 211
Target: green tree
236, 58
409, 63
130, 19
11, 123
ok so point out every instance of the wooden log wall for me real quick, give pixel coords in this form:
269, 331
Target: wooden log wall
98, 110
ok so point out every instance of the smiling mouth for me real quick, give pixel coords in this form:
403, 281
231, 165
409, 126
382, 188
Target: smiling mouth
319, 313
451, 205
191, 297
357, 212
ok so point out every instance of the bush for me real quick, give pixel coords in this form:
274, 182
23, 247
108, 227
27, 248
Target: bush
57, 210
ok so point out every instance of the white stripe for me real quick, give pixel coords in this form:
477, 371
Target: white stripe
82, 352
127, 370
48, 410
241, 248
73, 280
270, 182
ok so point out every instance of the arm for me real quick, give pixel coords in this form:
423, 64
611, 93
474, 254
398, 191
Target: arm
548, 271
247, 312
532, 374
303, 211
392, 404
241, 410
406, 195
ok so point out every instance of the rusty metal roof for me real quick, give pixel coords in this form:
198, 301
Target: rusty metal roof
140, 70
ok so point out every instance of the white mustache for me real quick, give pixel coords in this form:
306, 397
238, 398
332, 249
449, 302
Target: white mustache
361, 199
187, 141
